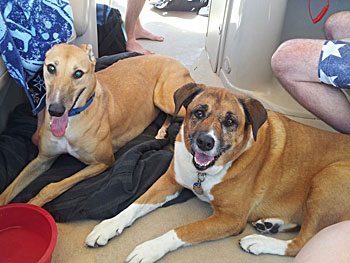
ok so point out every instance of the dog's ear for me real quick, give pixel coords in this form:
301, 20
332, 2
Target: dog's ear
88, 50
255, 113
184, 95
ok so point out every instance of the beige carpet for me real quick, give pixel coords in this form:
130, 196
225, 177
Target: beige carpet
70, 244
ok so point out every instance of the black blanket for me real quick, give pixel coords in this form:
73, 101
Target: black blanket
138, 165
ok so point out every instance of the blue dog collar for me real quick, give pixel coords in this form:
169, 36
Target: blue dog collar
76, 111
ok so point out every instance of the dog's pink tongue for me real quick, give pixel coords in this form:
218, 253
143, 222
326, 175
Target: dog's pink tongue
203, 159
59, 125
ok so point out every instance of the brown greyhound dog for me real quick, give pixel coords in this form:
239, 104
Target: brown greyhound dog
91, 115
251, 165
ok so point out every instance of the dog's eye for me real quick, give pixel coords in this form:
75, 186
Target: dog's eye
199, 114
78, 74
51, 68
229, 122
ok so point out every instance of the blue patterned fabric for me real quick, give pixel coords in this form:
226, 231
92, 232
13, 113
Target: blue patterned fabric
334, 64
28, 28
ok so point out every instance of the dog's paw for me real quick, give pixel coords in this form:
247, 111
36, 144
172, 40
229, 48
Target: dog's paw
259, 244
268, 226
112, 227
154, 249
147, 252
273, 226
103, 232
162, 133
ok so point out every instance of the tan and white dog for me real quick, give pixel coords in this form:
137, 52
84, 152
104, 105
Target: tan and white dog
91, 115
252, 167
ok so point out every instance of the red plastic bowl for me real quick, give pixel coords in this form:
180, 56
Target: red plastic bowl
27, 234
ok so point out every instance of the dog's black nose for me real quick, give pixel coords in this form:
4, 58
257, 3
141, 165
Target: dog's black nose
205, 142
56, 109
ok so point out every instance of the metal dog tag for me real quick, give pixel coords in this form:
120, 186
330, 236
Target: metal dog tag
197, 186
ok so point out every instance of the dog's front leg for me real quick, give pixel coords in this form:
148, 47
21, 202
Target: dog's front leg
162, 191
215, 227
35, 168
53, 190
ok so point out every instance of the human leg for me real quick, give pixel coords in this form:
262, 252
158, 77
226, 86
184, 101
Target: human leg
134, 29
295, 65
329, 245
337, 26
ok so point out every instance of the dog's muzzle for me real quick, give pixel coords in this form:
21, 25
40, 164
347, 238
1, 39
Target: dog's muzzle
58, 119
204, 151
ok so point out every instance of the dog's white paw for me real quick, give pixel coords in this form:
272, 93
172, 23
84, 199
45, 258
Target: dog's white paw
109, 228
112, 227
162, 133
259, 244
154, 249
147, 252
103, 232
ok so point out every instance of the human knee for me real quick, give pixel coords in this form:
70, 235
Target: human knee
282, 57
329, 245
336, 26
330, 26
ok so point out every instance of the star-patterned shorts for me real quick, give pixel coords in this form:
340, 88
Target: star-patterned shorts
334, 64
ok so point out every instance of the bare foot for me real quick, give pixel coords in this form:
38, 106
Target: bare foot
134, 46
141, 33
35, 136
